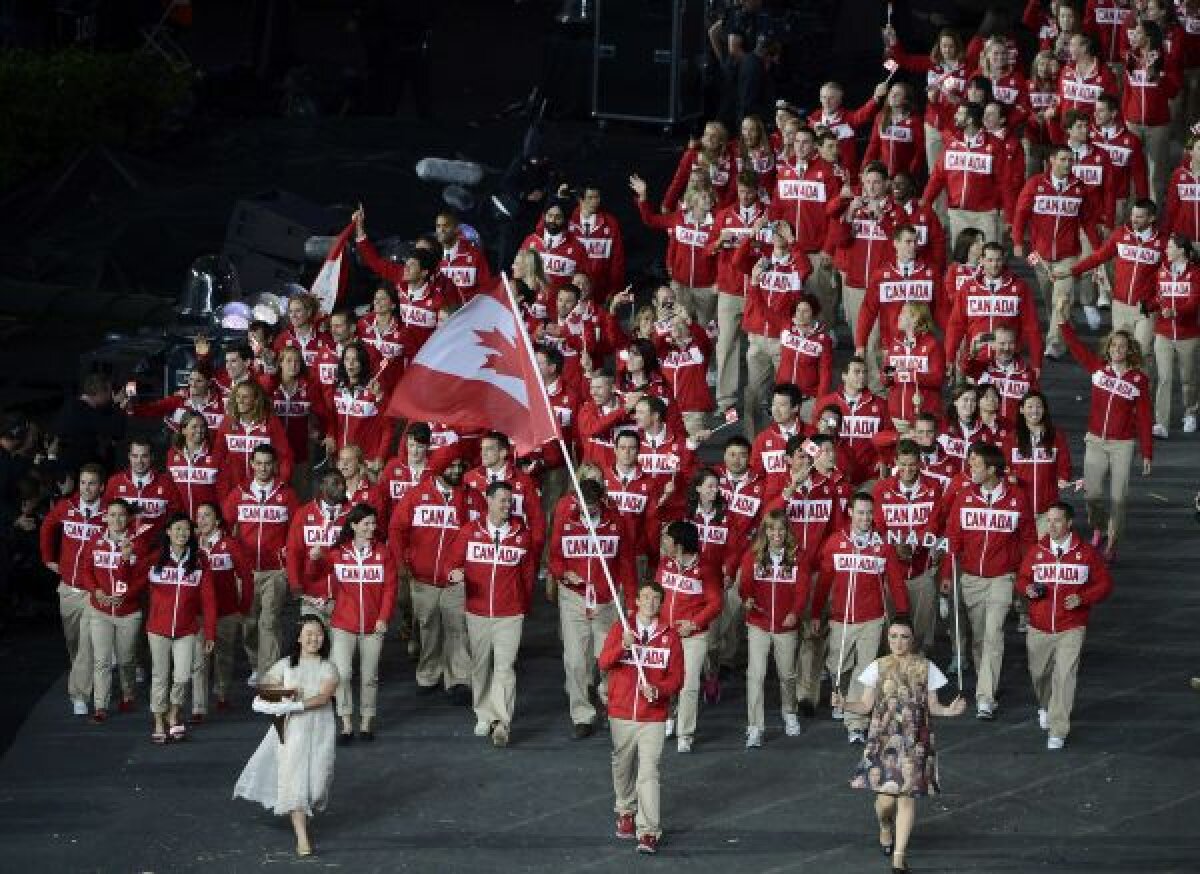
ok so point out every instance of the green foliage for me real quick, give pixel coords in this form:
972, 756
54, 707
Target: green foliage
53, 105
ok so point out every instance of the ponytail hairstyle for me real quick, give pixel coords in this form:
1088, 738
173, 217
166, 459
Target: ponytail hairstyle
693, 495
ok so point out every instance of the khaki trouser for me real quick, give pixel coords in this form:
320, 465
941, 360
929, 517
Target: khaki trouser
700, 302
762, 362
1055, 290
494, 645
725, 632
1111, 458
694, 422
219, 665
852, 301
113, 635
1132, 319
987, 601
1166, 351
987, 221
695, 648
810, 661
933, 147
730, 346
822, 283
1155, 145
73, 610
637, 749
759, 645
582, 639
1053, 665
369, 647
442, 620
171, 661
922, 596
324, 612
261, 629
861, 647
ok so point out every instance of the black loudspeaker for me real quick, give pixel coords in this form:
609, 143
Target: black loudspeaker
649, 60
266, 236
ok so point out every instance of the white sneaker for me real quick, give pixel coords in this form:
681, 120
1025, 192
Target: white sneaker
684, 745
791, 725
836, 713
1104, 300
1093, 317
670, 728
1055, 743
1159, 431
79, 707
1043, 719
754, 738
1022, 623
856, 737
140, 675
252, 680
985, 710
1189, 424
482, 728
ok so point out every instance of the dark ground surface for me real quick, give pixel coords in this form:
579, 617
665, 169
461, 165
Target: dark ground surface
429, 796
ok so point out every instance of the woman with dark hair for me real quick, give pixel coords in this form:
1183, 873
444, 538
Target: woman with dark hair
381, 330
1118, 418
1177, 333
962, 425
191, 463
356, 403
899, 761
1038, 456
298, 400
638, 374
990, 403
898, 136
233, 589
945, 72
806, 354
774, 592
180, 587
291, 771
363, 577
968, 251
1150, 83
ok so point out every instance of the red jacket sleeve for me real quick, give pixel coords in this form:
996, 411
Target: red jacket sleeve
1105, 252
294, 555
868, 312
208, 601
679, 181
381, 267
935, 185
388, 604
1023, 211
48, 534
1090, 361
245, 573
651, 219
897, 585
713, 595
555, 562
1029, 327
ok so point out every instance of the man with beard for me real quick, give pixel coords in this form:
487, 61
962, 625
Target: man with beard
562, 254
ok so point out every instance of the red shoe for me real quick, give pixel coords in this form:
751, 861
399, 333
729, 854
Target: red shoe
647, 844
223, 705
126, 706
100, 716
625, 827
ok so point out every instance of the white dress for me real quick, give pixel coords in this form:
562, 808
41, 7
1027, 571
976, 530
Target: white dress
297, 773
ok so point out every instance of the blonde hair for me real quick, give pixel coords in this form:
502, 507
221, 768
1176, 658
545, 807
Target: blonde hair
260, 407
922, 318
533, 267
985, 61
761, 550
1135, 358
1046, 55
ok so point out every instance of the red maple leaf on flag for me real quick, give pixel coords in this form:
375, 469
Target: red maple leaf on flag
503, 357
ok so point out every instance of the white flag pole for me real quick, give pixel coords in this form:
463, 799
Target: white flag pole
583, 510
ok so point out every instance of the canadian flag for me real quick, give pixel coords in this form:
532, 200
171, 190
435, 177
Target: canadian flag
477, 371
330, 283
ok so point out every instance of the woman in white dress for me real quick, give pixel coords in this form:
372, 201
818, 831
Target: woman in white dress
292, 776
